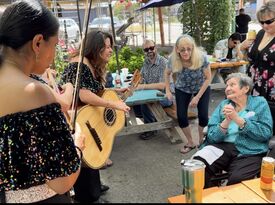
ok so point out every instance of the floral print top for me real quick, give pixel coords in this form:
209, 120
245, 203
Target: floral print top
262, 68
87, 81
35, 146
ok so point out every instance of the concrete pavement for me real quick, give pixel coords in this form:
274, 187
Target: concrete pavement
147, 171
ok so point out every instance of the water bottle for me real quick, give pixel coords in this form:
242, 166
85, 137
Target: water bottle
117, 80
193, 180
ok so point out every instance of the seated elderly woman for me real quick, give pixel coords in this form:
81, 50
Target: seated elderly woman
238, 133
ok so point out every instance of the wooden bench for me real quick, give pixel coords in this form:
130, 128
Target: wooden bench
164, 122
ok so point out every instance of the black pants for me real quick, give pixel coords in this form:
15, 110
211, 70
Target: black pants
239, 168
183, 99
87, 186
57, 199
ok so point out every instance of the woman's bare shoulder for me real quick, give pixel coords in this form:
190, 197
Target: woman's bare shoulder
39, 92
24, 95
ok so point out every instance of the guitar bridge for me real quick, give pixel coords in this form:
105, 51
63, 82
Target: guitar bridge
95, 135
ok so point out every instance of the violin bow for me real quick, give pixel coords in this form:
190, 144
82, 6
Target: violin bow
81, 58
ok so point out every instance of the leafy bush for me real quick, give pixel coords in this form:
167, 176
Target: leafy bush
208, 21
128, 58
60, 60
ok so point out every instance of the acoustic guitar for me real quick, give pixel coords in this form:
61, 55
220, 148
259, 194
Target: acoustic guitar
101, 124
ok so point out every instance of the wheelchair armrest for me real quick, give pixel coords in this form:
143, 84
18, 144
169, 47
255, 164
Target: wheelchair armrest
205, 130
271, 143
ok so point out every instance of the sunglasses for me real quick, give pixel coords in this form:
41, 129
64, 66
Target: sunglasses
270, 21
189, 50
149, 48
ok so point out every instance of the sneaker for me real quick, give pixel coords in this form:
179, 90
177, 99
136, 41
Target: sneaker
148, 135
101, 201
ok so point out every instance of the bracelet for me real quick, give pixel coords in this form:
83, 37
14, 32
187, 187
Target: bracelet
225, 128
80, 151
241, 127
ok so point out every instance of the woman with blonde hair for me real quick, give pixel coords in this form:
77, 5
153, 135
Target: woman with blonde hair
192, 75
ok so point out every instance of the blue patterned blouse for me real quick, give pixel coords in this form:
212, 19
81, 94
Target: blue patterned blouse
190, 81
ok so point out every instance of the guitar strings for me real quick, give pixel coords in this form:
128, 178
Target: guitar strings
110, 113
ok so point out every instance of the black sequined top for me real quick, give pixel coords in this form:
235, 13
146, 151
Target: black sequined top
35, 146
87, 81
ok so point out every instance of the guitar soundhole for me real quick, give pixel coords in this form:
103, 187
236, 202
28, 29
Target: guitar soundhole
109, 116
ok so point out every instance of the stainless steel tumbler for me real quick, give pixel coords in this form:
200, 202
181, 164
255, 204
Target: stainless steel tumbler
193, 180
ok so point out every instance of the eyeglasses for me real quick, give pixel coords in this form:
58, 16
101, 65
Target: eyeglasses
185, 49
269, 21
149, 48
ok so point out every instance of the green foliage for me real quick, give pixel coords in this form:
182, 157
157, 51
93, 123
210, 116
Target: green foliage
214, 19
128, 58
60, 60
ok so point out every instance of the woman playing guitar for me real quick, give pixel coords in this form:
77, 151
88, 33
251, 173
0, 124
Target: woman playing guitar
97, 52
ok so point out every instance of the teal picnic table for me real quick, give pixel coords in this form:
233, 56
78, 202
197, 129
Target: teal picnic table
164, 122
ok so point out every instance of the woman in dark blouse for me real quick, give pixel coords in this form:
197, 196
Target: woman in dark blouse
97, 52
39, 160
261, 55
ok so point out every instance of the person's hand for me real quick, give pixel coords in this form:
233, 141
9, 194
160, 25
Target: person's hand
230, 112
122, 90
194, 102
246, 44
169, 96
67, 89
120, 105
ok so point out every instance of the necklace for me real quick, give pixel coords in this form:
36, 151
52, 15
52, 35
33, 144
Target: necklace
265, 40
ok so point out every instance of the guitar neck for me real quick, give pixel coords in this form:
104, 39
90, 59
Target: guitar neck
127, 94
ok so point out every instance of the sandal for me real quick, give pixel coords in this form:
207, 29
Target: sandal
109, 163
187, 148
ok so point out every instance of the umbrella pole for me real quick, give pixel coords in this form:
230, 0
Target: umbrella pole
161, 26
114, 36
154, 19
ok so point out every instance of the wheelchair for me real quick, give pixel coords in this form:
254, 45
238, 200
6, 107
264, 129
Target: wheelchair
220, 178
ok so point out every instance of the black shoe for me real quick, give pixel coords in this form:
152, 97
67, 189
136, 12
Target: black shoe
101, 201
148, 135
104, 188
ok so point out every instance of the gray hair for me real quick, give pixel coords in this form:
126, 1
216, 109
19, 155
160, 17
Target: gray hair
244, 80
146, 41
266, 9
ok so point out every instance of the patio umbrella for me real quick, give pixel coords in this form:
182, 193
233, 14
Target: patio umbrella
160, 3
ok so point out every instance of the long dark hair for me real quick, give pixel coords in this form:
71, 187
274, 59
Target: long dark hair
24, 19
95, 44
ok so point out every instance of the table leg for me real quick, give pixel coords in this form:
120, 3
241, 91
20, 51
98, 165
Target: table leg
160, 115
132, 116
220, 84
